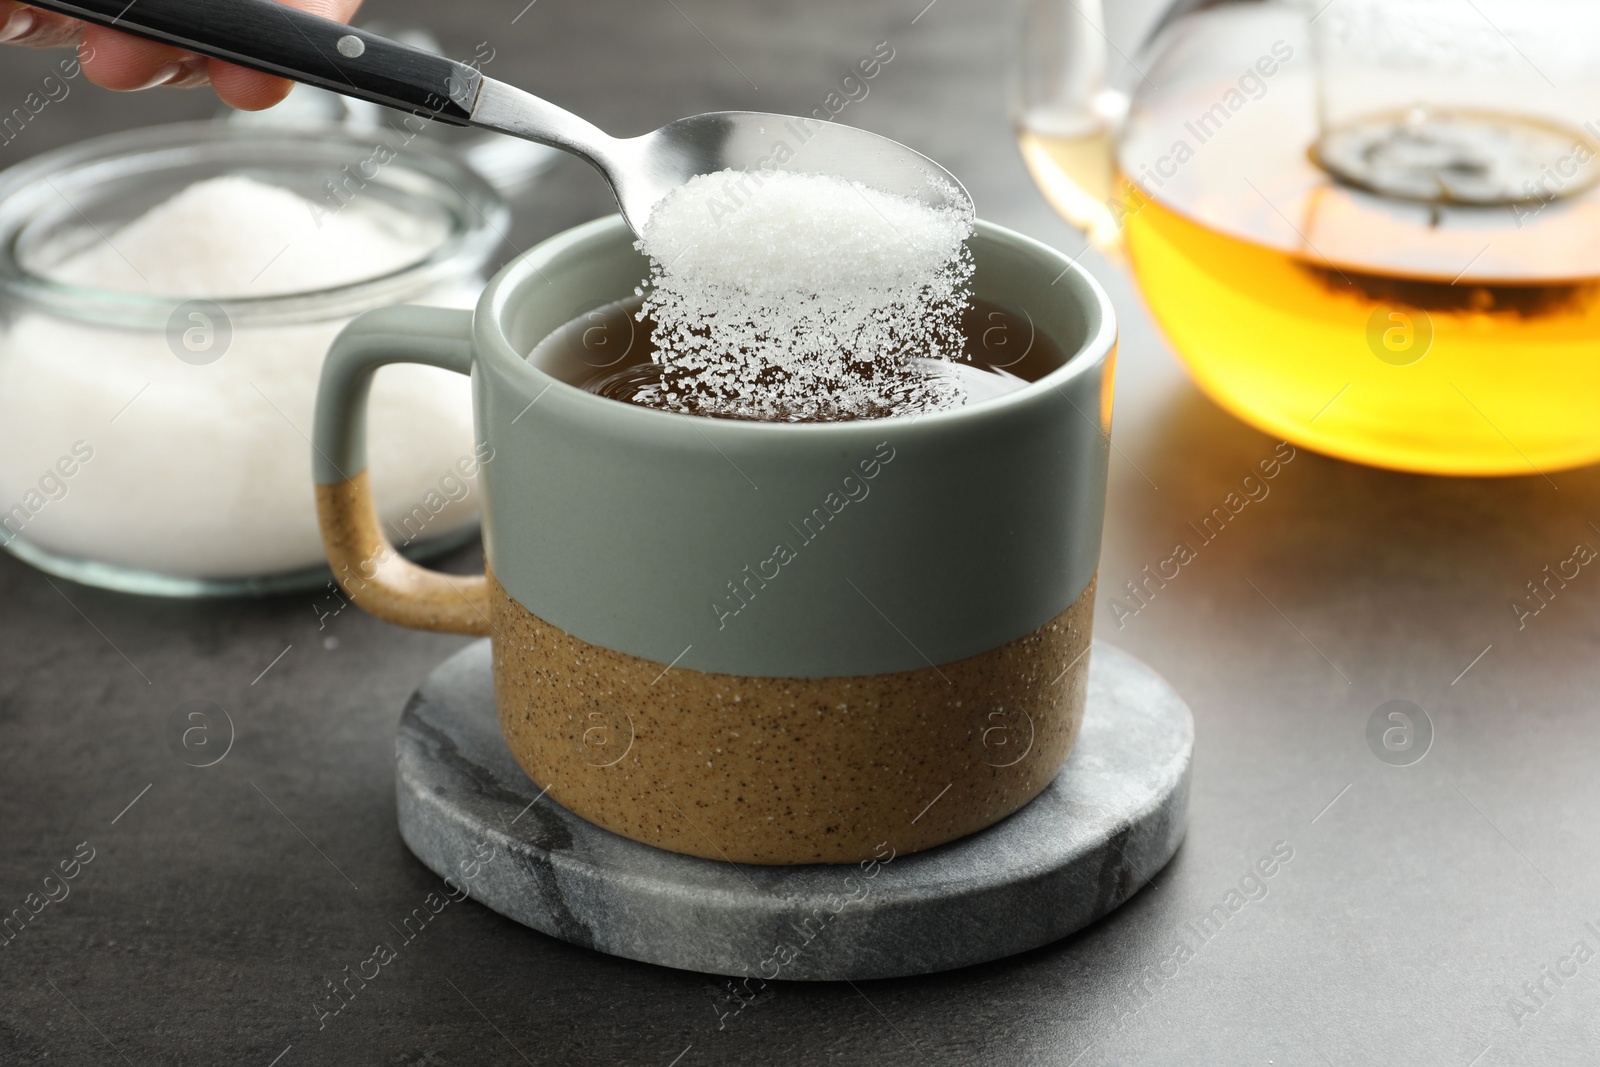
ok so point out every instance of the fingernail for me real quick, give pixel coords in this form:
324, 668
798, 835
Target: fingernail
163, 74
184, 74
193, 72
20, 24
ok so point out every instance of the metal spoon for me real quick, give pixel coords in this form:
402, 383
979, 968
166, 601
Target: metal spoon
270, 37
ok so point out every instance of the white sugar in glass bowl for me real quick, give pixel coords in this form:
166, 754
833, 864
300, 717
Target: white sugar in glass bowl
167, 296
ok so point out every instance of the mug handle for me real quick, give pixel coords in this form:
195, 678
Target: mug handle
364, 562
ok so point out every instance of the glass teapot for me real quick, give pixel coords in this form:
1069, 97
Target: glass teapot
1371, 227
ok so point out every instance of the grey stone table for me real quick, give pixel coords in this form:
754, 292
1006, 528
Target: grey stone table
1415, 903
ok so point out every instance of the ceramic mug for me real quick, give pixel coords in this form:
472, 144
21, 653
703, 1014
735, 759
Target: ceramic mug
757, 642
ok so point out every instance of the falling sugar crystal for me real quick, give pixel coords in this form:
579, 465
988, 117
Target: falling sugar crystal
800, 297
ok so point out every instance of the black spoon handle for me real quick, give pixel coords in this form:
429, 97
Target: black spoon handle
270, 37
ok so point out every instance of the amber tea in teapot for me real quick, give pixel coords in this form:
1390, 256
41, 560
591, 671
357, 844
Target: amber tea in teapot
1357, 236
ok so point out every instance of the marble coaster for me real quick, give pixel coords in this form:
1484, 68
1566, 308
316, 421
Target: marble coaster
1103, 828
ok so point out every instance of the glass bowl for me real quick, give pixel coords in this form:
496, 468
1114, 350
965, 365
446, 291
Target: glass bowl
158, 443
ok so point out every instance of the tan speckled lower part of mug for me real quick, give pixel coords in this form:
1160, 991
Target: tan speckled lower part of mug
789, 770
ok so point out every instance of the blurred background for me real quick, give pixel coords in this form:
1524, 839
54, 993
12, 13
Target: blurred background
1427, 898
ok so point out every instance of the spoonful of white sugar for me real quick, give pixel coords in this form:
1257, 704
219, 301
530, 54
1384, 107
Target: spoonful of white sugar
803, 297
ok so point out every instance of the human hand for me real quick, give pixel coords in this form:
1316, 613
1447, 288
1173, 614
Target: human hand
118, 60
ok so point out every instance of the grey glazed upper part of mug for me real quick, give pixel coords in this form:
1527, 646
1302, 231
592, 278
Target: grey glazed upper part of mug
625, 526
782, 550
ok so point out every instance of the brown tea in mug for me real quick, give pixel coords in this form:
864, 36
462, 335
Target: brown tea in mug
776, 295
609, 351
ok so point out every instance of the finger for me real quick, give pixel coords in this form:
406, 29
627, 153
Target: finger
32, 28
245, 89
250, 90
120, 61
